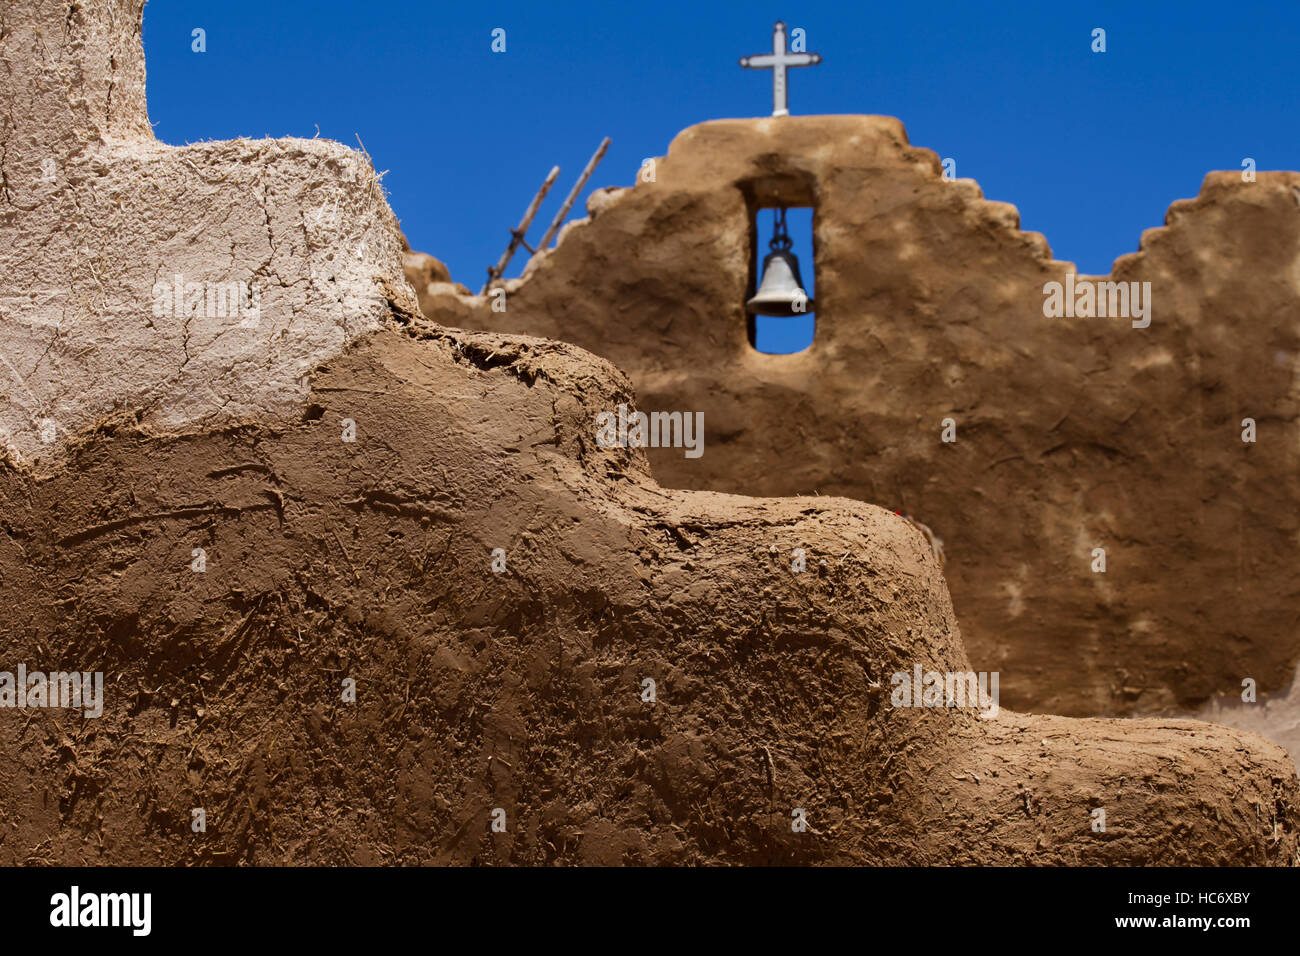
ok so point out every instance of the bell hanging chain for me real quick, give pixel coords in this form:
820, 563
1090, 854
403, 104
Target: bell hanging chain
781, 241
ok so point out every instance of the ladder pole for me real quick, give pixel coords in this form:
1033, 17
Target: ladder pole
517, 235
573, 195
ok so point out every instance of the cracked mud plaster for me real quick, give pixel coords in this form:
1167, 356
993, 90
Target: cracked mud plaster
522, 690
97, 217
368, 559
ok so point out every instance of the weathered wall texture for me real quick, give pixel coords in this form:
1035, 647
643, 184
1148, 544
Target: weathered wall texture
325, 560
1072, 434
95, 214
523, 690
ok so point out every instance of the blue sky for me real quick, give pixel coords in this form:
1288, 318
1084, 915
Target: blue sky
1091, 147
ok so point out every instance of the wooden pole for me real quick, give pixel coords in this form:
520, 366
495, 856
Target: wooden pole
573, 195
517, 235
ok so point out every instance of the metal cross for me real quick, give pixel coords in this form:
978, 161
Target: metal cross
777, 61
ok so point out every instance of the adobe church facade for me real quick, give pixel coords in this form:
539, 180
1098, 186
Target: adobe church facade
363, 590
1081, 442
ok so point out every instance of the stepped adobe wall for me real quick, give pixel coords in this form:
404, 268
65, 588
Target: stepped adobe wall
1072, 434
293, 604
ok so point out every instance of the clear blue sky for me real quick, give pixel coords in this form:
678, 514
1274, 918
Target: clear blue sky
1092, 148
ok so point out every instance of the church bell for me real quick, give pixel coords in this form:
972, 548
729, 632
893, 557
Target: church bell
781, 292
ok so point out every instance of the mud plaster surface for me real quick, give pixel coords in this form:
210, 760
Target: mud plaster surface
1072, 434
95, 212
523, 690
370, 559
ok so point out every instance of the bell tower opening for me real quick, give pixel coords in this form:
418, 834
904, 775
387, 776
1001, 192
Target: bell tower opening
781, 304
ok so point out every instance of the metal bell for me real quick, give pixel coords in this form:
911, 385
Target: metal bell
781, 292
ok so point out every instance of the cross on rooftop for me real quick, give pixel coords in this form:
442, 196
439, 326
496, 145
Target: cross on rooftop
777, 61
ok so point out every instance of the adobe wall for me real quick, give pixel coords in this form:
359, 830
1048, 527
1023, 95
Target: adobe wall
1072, 434
101, 226
230, 572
